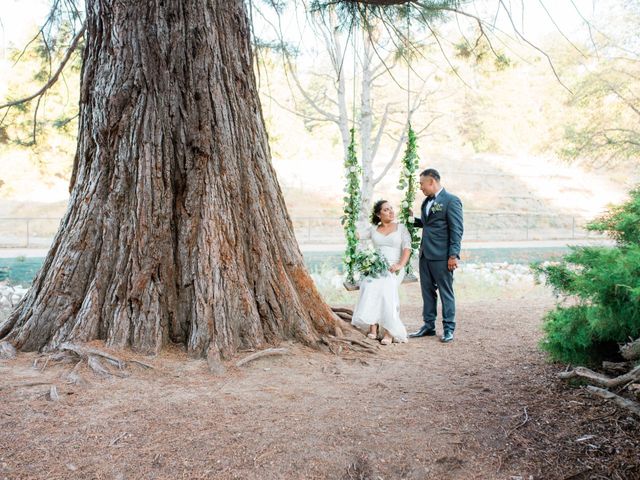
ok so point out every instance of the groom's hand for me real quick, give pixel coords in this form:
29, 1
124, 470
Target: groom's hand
452, 264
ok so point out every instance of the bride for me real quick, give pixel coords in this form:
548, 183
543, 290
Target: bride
378, 307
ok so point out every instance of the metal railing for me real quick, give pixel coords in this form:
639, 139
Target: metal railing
28, 232
38, 232
479, 226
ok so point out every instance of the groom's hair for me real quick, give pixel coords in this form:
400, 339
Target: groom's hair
431, 172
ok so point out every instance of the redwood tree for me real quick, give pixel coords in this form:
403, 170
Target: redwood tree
176, 229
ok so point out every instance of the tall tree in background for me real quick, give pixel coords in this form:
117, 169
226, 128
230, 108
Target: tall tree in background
368, 53
606, 132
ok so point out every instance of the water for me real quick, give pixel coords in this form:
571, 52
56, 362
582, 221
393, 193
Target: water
20, 270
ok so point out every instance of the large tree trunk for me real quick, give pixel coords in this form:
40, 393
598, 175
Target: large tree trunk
176, 229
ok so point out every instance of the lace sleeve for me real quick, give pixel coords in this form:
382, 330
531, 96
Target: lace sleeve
364, 231
406, 236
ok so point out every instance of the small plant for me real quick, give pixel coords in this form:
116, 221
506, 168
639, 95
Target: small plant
602, 285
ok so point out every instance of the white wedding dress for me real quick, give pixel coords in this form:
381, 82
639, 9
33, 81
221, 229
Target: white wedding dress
379, 301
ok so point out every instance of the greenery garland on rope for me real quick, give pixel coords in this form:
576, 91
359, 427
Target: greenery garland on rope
353, 172
407, 182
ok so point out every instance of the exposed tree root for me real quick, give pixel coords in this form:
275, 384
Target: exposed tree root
88, 352
627, 380
74, 376
7, 351
22, 385
262, 353
630, 405
369, 347
97, 360
343, 316
346, 311
53, 394
600, 379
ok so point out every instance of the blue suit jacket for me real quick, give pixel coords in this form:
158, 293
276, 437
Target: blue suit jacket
441, 230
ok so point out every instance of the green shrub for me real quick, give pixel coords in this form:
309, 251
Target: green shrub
601, 289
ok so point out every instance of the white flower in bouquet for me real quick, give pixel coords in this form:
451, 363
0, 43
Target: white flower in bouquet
371, 263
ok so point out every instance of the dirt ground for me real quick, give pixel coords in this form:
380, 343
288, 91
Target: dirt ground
486, 406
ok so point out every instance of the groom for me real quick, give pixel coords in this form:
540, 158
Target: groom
441, 223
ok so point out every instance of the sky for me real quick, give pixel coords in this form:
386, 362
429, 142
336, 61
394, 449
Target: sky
541, 17
20, 17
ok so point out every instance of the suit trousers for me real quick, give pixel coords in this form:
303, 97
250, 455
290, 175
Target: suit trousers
436, 277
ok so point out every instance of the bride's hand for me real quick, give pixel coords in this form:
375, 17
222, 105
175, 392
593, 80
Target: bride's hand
395, 268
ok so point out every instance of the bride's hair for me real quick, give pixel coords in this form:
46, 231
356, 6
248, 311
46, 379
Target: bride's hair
375, 213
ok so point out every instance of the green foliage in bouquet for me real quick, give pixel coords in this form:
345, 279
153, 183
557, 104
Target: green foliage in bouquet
353, 172
407, 183
371, 263
603, 285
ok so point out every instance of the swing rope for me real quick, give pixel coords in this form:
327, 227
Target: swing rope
353, 173
409, 166
408, 41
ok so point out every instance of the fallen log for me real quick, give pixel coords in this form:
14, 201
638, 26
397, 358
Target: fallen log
633, 407
617, 367
600, 379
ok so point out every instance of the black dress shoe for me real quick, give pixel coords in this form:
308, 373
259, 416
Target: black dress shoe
447, 337
423, 332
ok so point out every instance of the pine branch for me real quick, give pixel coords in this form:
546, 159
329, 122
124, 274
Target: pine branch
53, 79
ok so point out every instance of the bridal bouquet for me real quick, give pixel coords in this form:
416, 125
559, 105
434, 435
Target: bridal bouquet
371, 263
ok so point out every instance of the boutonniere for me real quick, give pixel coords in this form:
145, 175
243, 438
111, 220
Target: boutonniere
436, 207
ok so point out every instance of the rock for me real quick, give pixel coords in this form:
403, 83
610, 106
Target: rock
11, 295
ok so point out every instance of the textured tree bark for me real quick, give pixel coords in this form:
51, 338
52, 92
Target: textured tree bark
176, 230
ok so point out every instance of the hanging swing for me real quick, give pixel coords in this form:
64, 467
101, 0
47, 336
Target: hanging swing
352, 199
